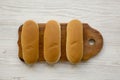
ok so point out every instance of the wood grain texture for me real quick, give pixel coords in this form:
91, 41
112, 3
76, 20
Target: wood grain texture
103, 15
88, 34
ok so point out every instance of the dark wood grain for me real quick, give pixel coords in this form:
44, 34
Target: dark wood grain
88, 34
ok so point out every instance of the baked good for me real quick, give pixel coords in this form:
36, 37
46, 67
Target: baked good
74, 41
52, 42
30, 41
89, 33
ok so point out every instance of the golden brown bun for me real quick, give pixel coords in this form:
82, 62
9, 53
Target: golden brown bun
52, 39
30, 41
74, 43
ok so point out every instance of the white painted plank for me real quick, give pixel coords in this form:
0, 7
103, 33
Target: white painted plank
103, 15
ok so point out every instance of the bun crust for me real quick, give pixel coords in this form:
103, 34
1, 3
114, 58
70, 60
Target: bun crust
52, 39
30, 41
74, 41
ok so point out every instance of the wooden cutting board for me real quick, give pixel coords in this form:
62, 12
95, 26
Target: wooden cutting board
93, 42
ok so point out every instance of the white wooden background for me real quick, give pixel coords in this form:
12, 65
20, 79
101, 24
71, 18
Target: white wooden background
103, 15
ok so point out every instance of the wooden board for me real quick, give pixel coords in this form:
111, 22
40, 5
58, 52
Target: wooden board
93, 42
103, 15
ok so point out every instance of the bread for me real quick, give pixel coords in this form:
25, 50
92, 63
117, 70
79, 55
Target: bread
74, 41
30, 42
52, 41
88, 33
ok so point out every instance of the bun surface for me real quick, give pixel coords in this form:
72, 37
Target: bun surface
52, 42
30, 41
74, 41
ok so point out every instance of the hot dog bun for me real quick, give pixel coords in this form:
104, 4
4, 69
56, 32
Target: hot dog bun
30, 41
52, 39
74, 41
